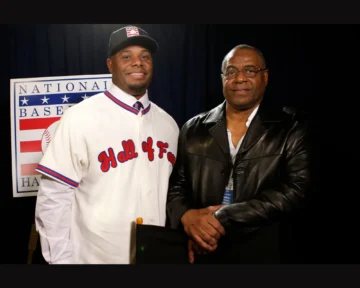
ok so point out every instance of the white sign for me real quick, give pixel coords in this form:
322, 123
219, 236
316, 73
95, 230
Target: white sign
37, 104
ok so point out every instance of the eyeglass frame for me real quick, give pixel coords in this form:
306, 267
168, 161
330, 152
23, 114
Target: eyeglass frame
242, 70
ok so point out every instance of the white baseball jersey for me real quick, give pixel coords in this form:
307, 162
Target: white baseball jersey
118, 160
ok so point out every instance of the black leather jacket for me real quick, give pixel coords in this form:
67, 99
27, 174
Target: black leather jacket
271, 170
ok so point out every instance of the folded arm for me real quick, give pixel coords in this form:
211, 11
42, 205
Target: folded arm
286, 196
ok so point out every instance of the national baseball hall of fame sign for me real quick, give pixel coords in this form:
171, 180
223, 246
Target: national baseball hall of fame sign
37, 105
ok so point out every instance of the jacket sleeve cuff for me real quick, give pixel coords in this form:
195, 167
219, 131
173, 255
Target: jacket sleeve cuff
222, 217
182, 211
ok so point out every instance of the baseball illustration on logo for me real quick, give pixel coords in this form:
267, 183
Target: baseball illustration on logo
48, 135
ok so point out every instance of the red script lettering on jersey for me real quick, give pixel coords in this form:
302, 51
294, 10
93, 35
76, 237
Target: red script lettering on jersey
147, 147
162, 147
123, 156
108, 159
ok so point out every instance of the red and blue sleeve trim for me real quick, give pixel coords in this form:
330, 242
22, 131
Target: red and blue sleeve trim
57, 176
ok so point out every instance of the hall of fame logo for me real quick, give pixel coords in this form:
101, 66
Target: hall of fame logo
37, 105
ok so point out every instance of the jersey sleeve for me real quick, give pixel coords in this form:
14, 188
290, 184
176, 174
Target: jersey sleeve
66, 152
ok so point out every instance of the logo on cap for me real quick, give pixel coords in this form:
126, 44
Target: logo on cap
132, 31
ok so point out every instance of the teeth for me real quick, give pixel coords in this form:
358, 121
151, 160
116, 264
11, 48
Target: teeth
137, 73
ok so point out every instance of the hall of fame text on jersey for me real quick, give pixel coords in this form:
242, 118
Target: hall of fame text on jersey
37, 105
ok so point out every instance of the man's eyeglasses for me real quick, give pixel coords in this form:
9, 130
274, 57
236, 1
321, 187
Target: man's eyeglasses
249, 72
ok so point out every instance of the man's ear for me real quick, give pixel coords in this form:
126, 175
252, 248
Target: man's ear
109, 64
266, 77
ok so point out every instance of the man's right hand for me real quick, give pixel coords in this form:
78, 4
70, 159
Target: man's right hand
203, 227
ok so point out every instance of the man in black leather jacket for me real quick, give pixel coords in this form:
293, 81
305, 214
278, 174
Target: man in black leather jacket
242, 171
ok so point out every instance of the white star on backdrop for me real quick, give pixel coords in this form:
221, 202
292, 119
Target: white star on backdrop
24, 101
85, 97
45, 100
65, 99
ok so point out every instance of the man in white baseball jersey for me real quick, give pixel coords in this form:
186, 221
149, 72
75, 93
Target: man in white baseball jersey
108, 163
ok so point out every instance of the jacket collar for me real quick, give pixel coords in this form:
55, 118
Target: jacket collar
216, 121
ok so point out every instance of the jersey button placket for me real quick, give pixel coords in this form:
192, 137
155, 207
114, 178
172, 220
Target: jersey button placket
141, 158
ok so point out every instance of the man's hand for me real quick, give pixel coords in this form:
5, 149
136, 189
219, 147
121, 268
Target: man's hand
193, 248
203, 227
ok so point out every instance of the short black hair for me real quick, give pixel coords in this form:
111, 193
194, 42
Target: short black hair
243, 46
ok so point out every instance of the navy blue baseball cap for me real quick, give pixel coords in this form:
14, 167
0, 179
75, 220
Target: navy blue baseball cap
130, 35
